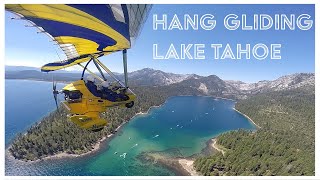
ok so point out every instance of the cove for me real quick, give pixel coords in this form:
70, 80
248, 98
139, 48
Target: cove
183, 124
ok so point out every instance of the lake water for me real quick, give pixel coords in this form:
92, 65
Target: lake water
183, 124
25, 103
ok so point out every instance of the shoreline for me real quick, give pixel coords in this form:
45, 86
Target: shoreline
187, 165
214, 97
95, 147
180, 166
215, 145
39, 80
144, 113
247, 118
64, 154
60, 155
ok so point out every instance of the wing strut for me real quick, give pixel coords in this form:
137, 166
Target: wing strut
125, 70
92, 73
98, 67
84, 68
108, 71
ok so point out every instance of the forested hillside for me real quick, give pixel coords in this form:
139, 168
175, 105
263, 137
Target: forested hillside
55, 134
283, 146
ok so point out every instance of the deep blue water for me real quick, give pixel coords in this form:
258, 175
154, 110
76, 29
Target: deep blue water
25, 103
183, 123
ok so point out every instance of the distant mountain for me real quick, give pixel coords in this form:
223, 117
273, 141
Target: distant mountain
28, 68
21, 68
151, 77
213, 85
209, 85
41, 76
287, 82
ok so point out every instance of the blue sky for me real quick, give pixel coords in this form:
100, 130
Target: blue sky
23, 46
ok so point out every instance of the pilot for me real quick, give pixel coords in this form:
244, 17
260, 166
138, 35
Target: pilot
92, 87
115, 87
105, 84
107, 92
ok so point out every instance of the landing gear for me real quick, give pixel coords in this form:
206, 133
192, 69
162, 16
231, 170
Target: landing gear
130, 104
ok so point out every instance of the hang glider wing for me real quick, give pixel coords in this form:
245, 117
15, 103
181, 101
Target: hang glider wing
82, 30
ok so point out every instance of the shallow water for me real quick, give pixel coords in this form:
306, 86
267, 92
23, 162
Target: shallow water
183, 123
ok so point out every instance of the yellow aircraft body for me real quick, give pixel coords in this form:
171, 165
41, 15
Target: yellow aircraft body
85, 111
86, 32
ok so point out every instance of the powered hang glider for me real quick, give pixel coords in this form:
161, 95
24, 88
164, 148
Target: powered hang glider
86, 32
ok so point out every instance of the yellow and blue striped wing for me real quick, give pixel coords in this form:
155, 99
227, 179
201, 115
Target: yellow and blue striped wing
83, 30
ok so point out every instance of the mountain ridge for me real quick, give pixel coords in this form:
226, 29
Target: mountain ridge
208, 85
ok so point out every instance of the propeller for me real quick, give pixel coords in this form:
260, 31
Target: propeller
55, 93
54, 86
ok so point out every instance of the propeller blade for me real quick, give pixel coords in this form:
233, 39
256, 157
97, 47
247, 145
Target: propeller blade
55, 93
56, 100
54, 86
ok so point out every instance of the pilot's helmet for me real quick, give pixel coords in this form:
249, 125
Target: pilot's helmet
90, 78
105, 84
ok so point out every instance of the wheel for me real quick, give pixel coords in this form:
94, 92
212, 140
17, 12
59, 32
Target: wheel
130, 104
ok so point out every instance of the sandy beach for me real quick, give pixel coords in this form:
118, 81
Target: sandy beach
179, 165
188, 166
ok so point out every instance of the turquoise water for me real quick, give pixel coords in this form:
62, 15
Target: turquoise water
183, 123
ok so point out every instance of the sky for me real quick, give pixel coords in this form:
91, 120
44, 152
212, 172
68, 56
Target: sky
25, 47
